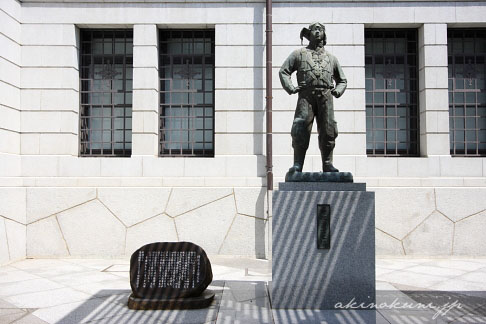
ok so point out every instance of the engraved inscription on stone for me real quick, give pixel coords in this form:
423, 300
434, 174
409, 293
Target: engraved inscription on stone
169, 269
323, 226
163, 269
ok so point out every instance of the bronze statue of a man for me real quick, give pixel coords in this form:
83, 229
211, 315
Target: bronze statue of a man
317, 70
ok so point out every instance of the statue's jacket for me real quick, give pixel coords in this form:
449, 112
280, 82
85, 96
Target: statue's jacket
315, 69
316, 73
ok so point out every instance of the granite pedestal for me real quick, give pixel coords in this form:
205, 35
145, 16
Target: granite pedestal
304, 276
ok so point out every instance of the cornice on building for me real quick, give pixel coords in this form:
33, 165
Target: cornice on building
232, 1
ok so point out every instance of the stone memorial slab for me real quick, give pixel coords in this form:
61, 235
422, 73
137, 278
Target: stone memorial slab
170, 275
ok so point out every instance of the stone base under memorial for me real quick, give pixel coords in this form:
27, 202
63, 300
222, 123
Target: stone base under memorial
202, 301
305, 276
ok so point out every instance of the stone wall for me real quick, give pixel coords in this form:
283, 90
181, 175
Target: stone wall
429, 205
110, 222
12, 206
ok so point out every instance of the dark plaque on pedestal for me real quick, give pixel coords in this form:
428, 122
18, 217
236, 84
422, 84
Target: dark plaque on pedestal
324, 226
170, 275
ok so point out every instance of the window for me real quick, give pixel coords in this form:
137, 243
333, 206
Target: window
186, 69
391, 92
467, 91
106, 92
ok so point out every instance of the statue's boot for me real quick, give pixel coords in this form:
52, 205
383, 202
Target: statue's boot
299, 156
327, 163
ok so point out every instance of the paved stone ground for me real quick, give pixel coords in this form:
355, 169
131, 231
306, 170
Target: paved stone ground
95, 291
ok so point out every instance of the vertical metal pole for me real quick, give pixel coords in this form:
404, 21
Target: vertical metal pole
269, 94
269, 98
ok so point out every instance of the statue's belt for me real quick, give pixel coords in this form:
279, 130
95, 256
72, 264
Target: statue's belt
318, 90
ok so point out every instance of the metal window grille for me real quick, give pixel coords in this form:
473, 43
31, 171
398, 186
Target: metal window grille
467, 91
186, 70
106, 62
391, 92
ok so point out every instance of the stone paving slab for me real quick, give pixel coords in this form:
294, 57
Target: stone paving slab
41, 292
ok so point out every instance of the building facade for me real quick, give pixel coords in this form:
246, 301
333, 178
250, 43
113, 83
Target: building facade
129, 122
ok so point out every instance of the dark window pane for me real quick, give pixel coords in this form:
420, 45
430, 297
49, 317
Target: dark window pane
186, 69
105, 127
467, 91
391, 91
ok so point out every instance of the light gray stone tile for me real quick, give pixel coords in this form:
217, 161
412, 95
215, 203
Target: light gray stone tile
435, 34
156, 167
30, 319
243, 166
435, 13
11, 315
84, 278
6, 305
97, 264
90, 229
394, 218
403, 277
214, 218
14, 276
133, 205
179, 204
4, 254
433, 237
144, 34
382, 285
49, 267
381, 271
469, 236
105, 288
118, 268
457, 203
49, 56
50, 78
62, 144
11, 142
46, 298
308, 316
460, 167
215, 167
10, 311
48, 34
436, 271
245, 316
478, 277
83, 311
44, 239
376, 167
455, 264
387, 245
459, 285
43, 202
12, 203
11, 50
411, 316
248, 236
121, 167
27, 286
125, 275
243, 291
158, 229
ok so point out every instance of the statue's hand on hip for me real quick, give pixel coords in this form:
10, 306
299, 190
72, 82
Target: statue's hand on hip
335, 93
299, 88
